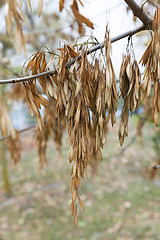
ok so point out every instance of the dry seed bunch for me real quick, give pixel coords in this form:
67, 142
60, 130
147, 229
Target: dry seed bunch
151, 60
38, 64
63, 86
111, 97
86, 115
130, 78
34, 101
81, 93
79, 130
41, 140
15, 11
9, 131
14, 146
50, 130
5, 121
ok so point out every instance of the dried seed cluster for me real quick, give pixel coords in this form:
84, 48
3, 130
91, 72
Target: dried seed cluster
8, 130
151, 61
50, 130
85, 96
37, 64
5, 121
82, 95
15, 11
129, 84
111, 97
14, 147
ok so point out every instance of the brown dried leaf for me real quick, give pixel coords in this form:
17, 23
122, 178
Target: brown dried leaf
18, 40
80, 18
72, 208
40, 7
61, 5
72, 53
9, 21
75, 215
81, 3
81, 203
29, 2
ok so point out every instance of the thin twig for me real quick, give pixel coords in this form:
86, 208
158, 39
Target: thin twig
97, 47
129, 144
144, 3
9, 69
133, 138
156, 166
20, 131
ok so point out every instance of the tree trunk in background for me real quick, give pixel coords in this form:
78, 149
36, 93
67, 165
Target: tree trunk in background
6, 183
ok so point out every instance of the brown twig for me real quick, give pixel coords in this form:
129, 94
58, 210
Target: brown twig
9, 69
138, 12
20, 131
156, 167
129, 144
132, 139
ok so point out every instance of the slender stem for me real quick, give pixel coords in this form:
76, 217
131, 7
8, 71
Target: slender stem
20, 131
156, 166
144, 3
9, 69
97, 47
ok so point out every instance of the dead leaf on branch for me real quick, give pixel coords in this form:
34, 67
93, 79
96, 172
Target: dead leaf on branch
80, 18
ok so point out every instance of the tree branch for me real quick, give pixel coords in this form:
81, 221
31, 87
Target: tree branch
156, 166
138, 12
119, 154
97, 47
20, 131
9, 69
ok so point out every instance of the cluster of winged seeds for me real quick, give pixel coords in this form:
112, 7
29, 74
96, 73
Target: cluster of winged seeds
129, 84
81, 95
14, 147
15, 11
151, 61
49, 131
111, 97
84, 96
8, 130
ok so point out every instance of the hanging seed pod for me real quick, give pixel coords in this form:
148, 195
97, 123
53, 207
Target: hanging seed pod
151, 61
130, 80
111, 97
14, 146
